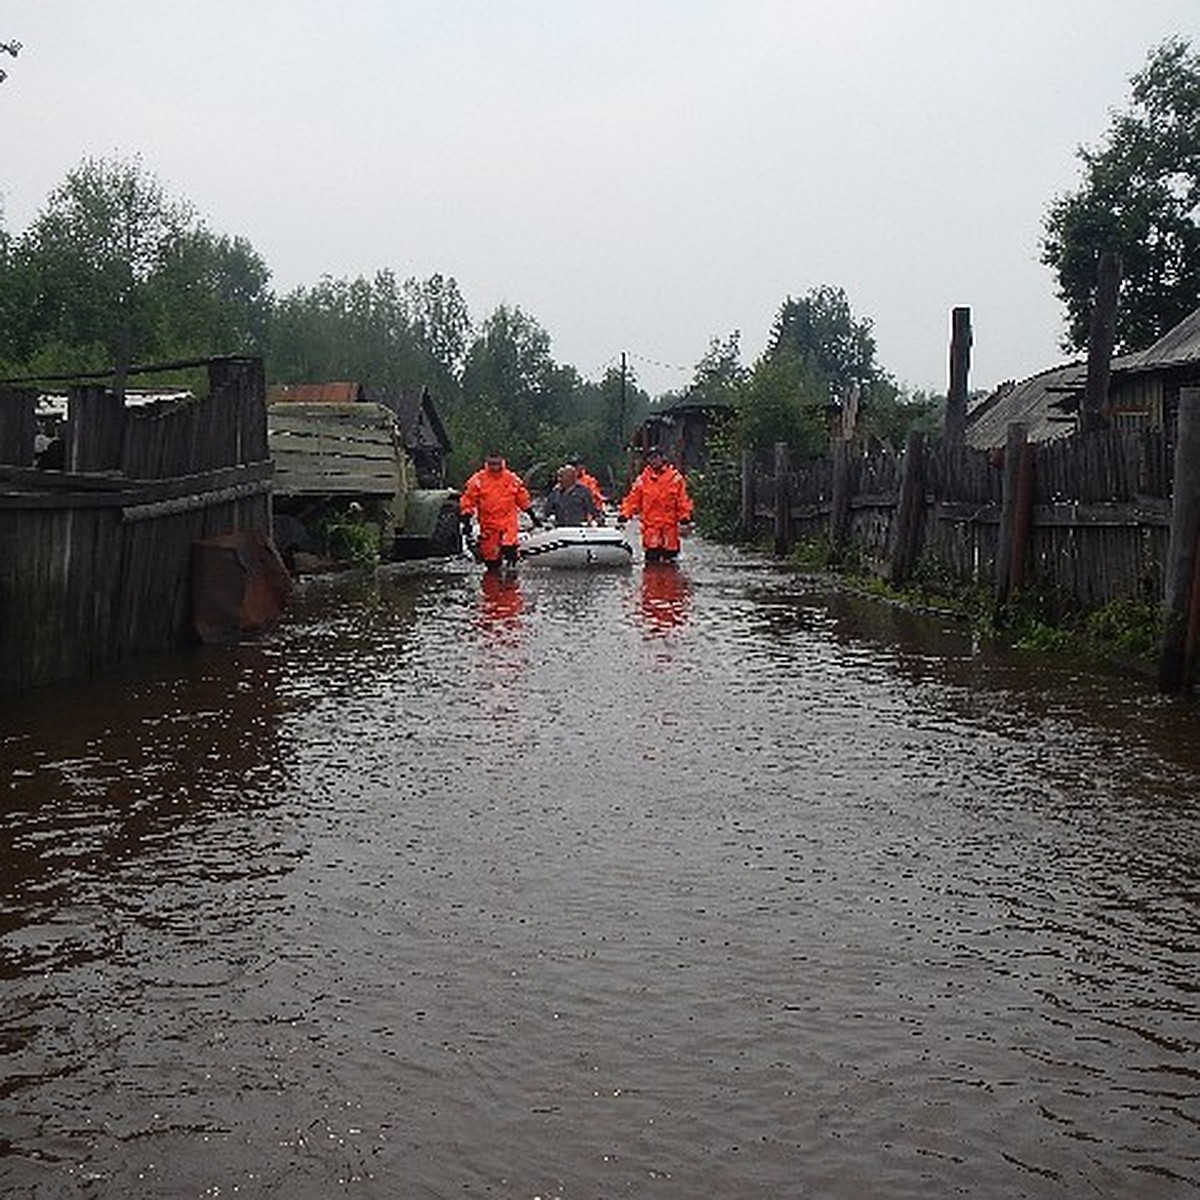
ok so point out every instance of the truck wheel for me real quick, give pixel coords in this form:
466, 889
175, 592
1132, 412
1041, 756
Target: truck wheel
447, 537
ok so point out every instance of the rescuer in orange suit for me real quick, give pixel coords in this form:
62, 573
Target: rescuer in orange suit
660, 497
496, 497
589, 481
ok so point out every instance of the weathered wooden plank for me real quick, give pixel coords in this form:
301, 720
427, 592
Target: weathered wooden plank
163, 508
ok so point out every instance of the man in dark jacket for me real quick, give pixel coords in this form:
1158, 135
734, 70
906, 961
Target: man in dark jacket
569, 502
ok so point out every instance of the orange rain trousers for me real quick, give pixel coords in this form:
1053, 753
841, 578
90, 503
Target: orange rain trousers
661, 500
496, 497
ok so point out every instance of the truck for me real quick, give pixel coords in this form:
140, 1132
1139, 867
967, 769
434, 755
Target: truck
346, 488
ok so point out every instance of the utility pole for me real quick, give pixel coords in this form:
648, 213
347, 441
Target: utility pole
621, 421
954, 424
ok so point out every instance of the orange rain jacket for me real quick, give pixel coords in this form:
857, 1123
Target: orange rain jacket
592, 484
661, 498
496, 498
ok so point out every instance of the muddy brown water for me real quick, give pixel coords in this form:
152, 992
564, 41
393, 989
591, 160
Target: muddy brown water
657, 883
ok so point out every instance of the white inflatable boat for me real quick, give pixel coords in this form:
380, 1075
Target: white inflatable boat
576, 546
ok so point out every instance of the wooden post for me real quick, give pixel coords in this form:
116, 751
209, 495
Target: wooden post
95, 429
910, 511
1009, 512
839, 500
1175, 664
746, 513
783, 500
1093, 413
1022, 519
17, 426
954, 427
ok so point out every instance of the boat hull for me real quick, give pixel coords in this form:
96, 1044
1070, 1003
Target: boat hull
584, 546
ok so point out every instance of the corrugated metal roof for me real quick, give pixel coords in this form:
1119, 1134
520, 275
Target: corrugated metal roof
1033, 402
1037, 401
1176, 347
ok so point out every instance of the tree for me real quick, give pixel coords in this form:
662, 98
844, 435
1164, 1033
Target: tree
103, 233
210, 295
112, 267
13, 48
821, 330
784, 400
438, 316
719, 374
817, 351
357, 329
1139, 197
509, 364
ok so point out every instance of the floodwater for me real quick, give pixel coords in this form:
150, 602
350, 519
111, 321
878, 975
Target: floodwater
661, 883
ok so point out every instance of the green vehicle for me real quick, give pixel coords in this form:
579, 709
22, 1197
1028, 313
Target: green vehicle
346, 489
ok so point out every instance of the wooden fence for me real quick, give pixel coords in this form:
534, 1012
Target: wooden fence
1081, 521
96, 559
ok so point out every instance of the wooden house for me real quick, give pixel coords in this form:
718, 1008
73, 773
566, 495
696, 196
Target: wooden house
1143, 392
683, 432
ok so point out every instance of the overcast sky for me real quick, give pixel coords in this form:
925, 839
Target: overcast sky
637, 175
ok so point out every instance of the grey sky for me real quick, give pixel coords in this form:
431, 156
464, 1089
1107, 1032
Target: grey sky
638, 175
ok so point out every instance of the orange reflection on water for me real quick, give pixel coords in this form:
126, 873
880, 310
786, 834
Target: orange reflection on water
501, 596
665, 597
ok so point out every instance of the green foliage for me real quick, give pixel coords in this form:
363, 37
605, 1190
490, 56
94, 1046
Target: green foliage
719, 374
356, 329
717, 494
210, 295
1127, 627
1032, 633
438, 317
112, 269
892, 414
821, 331
818, 352
350, 538
1138, 197
814, 554
784, 400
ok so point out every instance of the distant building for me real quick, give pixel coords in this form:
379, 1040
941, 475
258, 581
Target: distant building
683, 432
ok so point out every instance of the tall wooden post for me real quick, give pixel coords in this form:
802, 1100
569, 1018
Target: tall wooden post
17, 426
783, 499
1176, 664
1102, 336
1022, 519
1010, 517
839, 499
910, 511
746, 508
954, 427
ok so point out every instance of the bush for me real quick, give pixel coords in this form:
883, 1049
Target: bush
717, 493
350, 537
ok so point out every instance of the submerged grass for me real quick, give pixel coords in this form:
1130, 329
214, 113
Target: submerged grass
1125, 631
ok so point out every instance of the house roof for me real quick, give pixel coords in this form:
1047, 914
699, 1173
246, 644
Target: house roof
342, 392
1035, 402
1176, 347
1045, 402
408, 407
